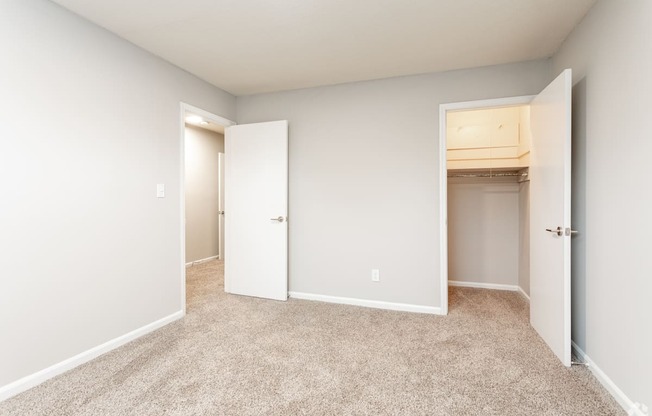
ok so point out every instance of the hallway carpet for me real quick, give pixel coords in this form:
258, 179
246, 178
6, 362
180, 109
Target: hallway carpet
234, 355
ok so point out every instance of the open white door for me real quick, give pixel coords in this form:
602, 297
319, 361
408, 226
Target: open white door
550, 215
220, 206
256, 199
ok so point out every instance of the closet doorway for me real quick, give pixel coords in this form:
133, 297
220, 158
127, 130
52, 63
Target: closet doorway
505, 202
488, 153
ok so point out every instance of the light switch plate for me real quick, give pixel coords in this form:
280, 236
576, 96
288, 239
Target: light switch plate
375, 275
160, 190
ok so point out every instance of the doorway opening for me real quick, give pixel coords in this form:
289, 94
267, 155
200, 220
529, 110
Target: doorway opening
546, 198
484, 191
202, 188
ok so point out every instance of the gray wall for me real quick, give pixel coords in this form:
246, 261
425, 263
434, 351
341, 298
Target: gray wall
611, 56
89, 124
483, 231
364, 177
202, 148
524, 237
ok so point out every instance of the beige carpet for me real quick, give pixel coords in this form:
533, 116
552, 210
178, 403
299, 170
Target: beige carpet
235, 355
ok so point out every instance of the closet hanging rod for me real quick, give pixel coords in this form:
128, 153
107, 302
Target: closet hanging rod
522, 175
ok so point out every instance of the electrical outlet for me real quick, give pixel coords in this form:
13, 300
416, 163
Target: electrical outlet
375, 275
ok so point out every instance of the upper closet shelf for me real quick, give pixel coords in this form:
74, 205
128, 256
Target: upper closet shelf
494, 138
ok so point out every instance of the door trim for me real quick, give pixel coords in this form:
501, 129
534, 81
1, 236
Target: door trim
220, 220
443, 182
214, 118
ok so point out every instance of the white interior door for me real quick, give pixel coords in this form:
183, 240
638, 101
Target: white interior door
220, 206
550, 215
256, 199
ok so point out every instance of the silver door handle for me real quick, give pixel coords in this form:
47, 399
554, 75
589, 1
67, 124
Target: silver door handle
221, 212
279, 219
559, 231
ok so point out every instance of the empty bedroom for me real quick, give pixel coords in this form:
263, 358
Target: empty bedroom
325, 208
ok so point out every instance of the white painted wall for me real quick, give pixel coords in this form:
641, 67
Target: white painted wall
202, 149
89, 124
483, 231
610, 53
364, 177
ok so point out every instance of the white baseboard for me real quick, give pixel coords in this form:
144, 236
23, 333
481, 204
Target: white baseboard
405, 307
39, 377
196, 262
479, 285
492, 286
632, 408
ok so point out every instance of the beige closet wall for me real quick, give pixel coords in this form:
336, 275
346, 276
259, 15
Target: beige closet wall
483, 231
202, 149
524, 237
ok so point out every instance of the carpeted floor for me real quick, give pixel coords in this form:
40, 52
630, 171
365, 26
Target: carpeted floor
235, 355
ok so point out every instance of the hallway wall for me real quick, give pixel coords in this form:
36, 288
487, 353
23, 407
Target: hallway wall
202, 148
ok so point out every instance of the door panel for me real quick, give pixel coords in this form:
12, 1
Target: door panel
255, 196
550, 182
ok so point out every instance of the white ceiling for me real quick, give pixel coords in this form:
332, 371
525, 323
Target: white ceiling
253, 46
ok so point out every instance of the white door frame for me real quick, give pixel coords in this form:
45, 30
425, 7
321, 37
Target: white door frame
213, 118
443, 180
220, 220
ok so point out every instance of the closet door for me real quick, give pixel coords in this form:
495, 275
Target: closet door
550, 199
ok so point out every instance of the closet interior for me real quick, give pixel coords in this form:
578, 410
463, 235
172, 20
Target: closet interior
488, 154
